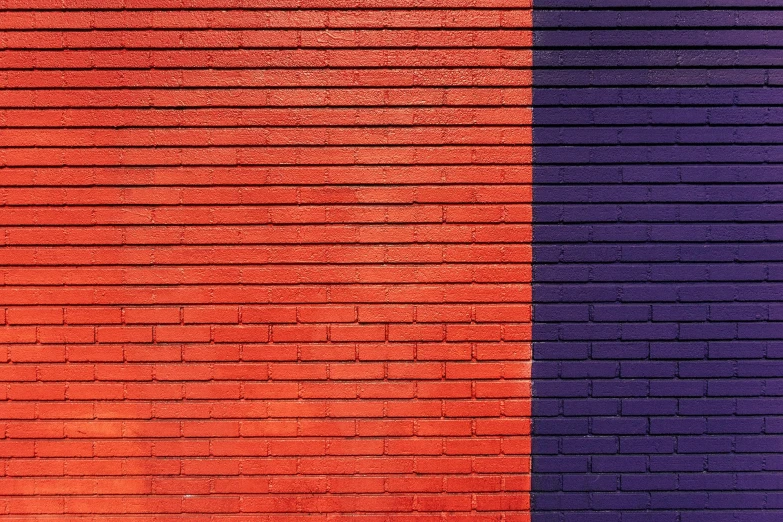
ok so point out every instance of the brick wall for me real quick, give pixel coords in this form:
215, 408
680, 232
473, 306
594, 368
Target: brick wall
265, 258
658, 281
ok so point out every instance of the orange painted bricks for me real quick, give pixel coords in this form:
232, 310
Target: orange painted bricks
265, 260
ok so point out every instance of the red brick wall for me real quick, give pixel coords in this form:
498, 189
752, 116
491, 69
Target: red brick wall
265, 259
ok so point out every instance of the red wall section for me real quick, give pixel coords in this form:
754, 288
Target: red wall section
262, 262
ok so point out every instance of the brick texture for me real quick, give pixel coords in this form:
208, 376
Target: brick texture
265, 260
658, 360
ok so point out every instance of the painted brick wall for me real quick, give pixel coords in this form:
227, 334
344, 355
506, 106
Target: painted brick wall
658, 282
267, 258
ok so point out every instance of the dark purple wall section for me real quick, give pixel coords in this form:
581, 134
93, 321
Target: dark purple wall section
658, 210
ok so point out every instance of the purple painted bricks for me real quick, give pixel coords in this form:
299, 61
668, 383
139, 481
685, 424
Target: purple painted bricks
658, 251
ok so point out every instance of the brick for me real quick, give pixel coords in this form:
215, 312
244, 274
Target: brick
324, 314
93, 315
84, 391
183, 372
356, 485
153, 391
214, 466
316, 333
180, 486
328, 390
269, 314
387, 390
124, 372
25, 430
151, 315
68, 449
65, 334
473, 332
34, 315
135, 334
415, 370
327, 352
416, 333
365, 371
432, 408
443, 428
271, 390
443, 352
241, 485
18, 334
513, 314
123, 410
186, 334
94, 353
79, 430
385, 314
58, 372
386, 352
240, 334
278, 352
442, 314
358, 333
17, 373
414, 447
36, 391
428, 390
17, 449
156, 429
240, 372
297, 372
296, 447
211, 315
156, 354
60, 410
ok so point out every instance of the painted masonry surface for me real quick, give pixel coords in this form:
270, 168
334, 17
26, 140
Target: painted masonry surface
277, 259
658, 282
265, 260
